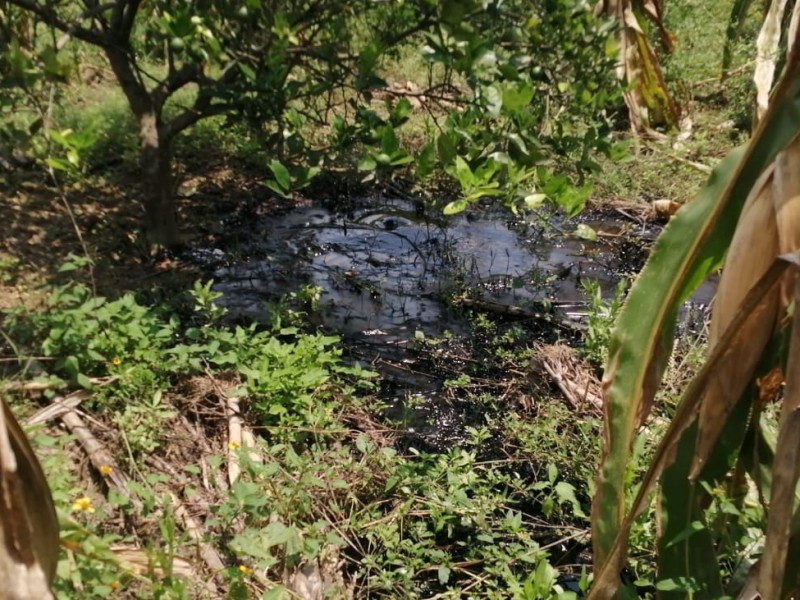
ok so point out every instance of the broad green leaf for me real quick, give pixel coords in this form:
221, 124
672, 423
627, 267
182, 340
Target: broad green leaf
573, 199
493, 100
606, 578
446, 147
71, 366
443, 574
273, 185
683, 585
389, 142
685, 545
401, 158
462, 173
367, 164
517, 95
58, 164
277, 592
401, 112
426, 162
281, 174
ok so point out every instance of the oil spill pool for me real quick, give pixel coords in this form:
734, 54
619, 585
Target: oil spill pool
385, 271
388, 272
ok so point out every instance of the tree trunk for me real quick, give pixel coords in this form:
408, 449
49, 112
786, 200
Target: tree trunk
155, 151
161, 228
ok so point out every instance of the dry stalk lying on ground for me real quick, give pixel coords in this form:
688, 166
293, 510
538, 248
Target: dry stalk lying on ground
572, 375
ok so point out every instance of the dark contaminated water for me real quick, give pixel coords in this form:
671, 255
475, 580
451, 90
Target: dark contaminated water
387, 272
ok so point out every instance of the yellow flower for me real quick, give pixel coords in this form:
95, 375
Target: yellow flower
245, 570
84, 504
106, 470
233, 445
116, 361
114, 585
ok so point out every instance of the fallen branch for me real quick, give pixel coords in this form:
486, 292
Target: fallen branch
100, 458
61, 405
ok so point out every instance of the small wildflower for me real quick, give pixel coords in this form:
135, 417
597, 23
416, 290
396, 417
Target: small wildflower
114, 585
233, 445
245, 570
116, 361
84, 504
106, 470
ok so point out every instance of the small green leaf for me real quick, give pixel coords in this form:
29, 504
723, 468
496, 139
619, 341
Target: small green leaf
694, 527
517, 95
281, 174
585, 232
83, 381
71, 366
389, 142
426, 162
273, 185
677, 584
534, 201
278, 592
455, 207
446, 147
367, 164
58, 164
444, 574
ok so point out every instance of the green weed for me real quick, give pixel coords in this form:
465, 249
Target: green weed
313, 488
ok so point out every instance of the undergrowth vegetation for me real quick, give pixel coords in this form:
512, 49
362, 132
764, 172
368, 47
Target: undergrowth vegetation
321, 482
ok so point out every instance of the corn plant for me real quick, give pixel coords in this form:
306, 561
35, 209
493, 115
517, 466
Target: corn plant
646, 95
717, 444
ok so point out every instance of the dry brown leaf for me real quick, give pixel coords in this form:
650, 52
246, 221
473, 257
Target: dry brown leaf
666, 208
28, 522
319, 578
572, 375
137, 561
234, 437
766, 54
752, 251
785, 474
786, 197
770, 385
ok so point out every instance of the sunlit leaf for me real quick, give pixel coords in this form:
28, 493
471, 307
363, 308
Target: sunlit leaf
585, 232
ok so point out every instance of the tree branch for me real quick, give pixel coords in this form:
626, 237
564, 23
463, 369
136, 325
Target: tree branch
50, 17
177, 78
198, 112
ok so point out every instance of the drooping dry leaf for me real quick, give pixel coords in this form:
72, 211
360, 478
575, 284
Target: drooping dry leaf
28, 522
606, 580
752, 251
786, 198
767, 46
785, 474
